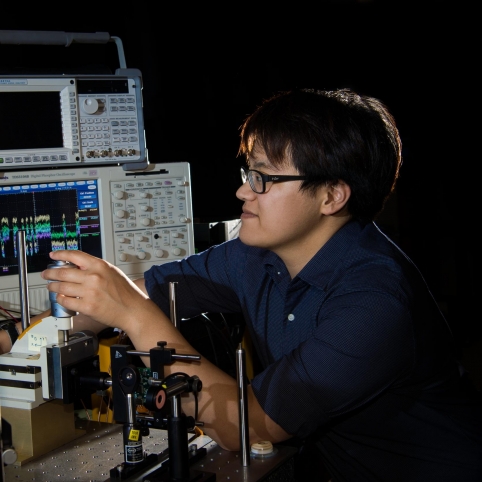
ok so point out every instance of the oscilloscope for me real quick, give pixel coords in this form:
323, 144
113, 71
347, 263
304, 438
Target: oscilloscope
133, 219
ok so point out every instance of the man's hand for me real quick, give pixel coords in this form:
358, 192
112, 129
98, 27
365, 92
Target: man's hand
97, 289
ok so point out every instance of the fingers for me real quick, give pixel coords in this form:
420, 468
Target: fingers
81, 259
98, 289
70, 303
72, 285
73, 289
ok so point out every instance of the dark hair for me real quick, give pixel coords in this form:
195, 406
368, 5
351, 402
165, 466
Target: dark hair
330, 136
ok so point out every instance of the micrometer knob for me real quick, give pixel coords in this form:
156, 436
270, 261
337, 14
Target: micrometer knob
58, 310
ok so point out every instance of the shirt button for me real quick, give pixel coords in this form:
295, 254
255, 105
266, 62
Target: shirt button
291, 317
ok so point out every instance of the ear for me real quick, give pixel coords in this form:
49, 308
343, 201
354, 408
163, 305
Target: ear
335, 198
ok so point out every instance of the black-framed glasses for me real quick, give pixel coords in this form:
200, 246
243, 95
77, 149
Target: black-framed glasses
257, 180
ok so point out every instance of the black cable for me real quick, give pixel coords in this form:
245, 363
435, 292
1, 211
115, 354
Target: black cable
236, 332
174, 375
227, 342
215, 353
195, 406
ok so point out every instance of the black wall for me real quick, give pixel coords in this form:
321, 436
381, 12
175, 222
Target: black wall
205, 69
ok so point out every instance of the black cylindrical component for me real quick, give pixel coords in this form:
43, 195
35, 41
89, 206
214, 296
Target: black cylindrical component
177, 388
96, 380
155, 398
133, 451
178, 448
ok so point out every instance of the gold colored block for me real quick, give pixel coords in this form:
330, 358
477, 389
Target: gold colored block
42, 429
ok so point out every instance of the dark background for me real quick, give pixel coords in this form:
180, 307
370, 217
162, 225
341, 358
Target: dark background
206, 67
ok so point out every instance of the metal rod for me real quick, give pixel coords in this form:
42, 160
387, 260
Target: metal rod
173, 356
131, 417
243, 404
35, 37
173, 304
22, 271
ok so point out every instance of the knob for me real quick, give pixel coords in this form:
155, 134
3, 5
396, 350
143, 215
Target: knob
175, 235
183, 219
139, 238
119, 194
176, 251
9, 456
120, 213
121, 239
141, 255
143, 194
158, 253
123, 256
92, 106
144, 208
146, 221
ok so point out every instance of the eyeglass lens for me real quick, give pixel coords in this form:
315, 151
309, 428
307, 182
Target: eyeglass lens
255, 180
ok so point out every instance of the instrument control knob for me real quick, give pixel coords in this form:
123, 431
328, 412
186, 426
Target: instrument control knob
141, 255
119, 194
123, 256
120, 213
93, 106
146, 221
176, 251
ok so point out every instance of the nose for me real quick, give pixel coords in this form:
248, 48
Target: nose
245, 192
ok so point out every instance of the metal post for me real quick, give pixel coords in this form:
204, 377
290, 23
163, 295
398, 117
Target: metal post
243, 405
173, 304
22, 272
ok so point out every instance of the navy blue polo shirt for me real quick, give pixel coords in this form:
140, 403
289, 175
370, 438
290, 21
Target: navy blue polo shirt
356, 353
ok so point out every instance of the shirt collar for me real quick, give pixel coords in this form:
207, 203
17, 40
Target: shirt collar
319, 270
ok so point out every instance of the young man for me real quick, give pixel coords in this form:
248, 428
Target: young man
356, 355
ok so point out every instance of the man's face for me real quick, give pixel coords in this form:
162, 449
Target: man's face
283, 219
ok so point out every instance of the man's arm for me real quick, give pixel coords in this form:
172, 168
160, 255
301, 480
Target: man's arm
102, 292
141, 284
